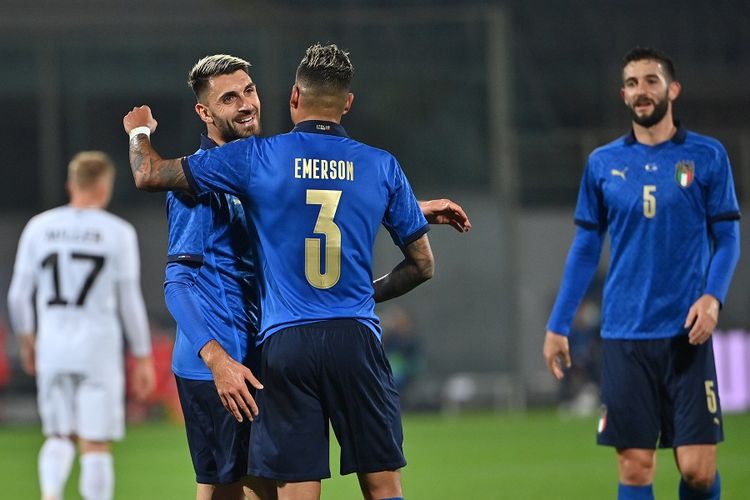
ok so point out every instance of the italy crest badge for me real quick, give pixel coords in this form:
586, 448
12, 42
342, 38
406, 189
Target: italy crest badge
684, 172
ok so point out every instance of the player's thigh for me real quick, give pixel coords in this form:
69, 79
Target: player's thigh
56, 395
694, 390
218, 443
361, 398
631, 399
100, 407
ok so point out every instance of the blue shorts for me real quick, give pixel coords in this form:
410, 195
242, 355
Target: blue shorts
332, 371
660, 392
218, 443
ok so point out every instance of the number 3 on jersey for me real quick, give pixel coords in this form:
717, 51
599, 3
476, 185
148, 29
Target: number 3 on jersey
649, 201
329, 203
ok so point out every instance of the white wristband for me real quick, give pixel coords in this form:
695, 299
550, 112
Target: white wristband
140, 130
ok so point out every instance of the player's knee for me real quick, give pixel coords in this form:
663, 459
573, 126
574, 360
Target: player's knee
377, 485
699, 479
636, 466
87, 446
697, 469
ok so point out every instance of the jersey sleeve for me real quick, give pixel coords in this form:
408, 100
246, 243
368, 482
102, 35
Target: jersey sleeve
188, 218
403, 217
721, 195
20, 306
580, 267
184, 305
132, 307
225, 169
590, 209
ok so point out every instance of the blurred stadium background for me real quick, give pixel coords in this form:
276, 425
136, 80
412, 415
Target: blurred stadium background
494, 104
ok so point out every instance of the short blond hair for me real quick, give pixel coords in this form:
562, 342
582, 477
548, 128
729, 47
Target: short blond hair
87, 168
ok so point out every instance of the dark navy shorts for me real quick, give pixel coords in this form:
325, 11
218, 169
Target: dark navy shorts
218, 443
333, 371
660, 392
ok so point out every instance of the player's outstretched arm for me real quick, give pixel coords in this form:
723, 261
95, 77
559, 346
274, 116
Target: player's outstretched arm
556, 353
231, 379
151, 172
417, 267
445, 211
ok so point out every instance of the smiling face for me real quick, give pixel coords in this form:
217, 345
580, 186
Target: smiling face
648, 92
230, 107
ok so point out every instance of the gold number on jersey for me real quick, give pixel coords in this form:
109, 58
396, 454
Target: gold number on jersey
649, 201
329, 202
711, 396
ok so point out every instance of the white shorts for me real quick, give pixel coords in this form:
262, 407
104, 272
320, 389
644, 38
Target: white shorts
93, 408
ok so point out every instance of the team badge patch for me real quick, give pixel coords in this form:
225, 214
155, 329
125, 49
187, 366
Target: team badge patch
602, 419
684, 172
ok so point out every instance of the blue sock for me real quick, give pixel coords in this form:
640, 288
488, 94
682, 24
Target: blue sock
393, 498
713, 493
625, 492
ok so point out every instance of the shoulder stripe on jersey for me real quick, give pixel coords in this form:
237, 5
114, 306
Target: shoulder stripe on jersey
189, 175
724, 216
185, 257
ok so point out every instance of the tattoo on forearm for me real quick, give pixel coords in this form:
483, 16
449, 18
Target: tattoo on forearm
150, 171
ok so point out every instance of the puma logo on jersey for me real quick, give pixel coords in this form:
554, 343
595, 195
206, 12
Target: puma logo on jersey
619, 173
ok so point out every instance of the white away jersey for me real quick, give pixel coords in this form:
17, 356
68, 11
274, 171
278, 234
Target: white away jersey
81, 262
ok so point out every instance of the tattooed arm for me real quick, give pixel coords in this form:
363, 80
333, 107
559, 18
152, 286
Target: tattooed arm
417, 267
151, 172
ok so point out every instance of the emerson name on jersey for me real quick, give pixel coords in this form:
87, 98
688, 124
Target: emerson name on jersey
315, 168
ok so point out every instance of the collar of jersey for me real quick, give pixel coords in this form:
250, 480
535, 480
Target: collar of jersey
207, 142
677, 138
320, 127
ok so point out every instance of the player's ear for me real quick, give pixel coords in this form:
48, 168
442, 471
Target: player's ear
622, 96
204, 113
294, 98
674, 90
348, 104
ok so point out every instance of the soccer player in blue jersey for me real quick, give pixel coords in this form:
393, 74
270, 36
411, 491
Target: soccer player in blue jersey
210, 291
666, 197
336, 284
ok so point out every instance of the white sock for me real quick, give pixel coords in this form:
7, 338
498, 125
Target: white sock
97, 481
55, 461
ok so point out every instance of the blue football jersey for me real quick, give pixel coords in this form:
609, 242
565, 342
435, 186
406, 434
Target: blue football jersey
210, 248
316, 199
656, 203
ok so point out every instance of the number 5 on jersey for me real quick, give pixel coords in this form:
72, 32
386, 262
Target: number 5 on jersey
329, 203
649, 201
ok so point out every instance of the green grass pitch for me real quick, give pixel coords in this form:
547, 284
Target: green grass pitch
479, 457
